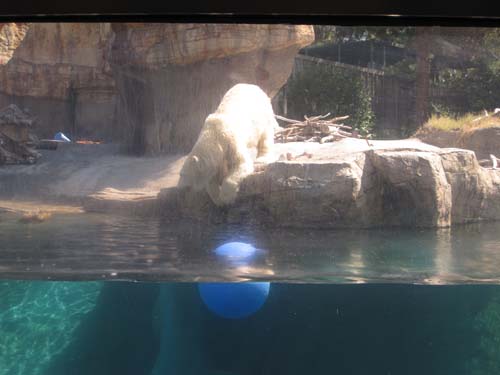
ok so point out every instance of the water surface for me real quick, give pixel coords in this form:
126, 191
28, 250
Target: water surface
88, 246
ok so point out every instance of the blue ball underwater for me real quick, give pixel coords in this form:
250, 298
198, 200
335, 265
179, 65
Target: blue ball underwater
235, 300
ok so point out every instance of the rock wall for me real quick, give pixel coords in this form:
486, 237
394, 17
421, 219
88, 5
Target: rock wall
58, 71
170, 77
148, 85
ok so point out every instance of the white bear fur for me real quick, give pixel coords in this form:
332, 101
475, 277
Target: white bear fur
241, 129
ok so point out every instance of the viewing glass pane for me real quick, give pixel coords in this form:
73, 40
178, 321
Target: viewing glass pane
189, 198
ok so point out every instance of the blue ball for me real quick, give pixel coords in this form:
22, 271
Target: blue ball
236, 253
234, 300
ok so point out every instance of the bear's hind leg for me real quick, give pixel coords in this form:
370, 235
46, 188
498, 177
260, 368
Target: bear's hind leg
265, 147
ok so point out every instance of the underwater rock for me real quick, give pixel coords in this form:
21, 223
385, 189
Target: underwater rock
351, 184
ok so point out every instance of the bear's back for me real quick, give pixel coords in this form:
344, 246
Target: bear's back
245, 100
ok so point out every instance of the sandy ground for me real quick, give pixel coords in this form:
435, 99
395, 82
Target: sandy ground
77, 171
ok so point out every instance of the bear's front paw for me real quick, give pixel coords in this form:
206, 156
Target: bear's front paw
228, 192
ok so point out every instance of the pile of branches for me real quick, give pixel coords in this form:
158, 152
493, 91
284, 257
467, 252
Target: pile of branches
13, 115
17, 140
314, 129
13, 152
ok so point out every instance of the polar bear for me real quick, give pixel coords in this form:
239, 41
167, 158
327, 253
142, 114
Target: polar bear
241, 129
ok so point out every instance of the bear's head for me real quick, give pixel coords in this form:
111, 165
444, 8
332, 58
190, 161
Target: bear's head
193, 174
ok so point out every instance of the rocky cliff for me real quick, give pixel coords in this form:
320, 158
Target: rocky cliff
58, 72
170, 77
149, 85
11, 36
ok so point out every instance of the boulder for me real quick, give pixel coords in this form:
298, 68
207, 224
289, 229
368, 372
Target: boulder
483, 141
438, 137
414, 188
351, 184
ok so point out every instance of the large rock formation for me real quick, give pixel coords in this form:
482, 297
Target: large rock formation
351, 184
11, 36
150, 85
58, 72
483, 141
171, 76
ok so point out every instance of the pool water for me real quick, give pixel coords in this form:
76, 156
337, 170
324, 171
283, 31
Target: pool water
100, 294
61, 328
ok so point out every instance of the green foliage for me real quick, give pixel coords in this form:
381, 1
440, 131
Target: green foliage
459, 88
339, 91
395, 35
470, 90
476, 87
325, 33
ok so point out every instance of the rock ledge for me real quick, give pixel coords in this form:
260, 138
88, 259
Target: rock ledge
351, 184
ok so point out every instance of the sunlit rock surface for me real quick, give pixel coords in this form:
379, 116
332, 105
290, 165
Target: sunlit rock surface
483, 141
96, 176
155, 45
353, 184
150, 86
171, 76
11, 35
58, 72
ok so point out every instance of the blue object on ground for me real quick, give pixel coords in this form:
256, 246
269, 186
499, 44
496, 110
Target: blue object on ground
61, 137
234, 300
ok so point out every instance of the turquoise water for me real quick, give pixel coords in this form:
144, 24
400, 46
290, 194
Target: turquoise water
98, 294
112, 328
